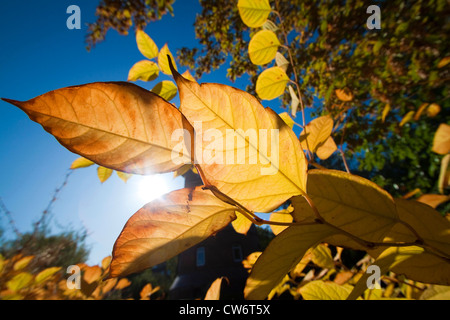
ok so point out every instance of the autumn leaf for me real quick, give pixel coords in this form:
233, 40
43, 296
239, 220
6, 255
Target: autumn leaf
271, 83
213, 292
283, 215
441, 140
117, 125
165, 227
163, 61
232, 150
19, 281
347, 201
123, 176
282, 254
165, 89
263, 47
146, 45
22, 263
144, 70
103, 173
316, 133
326, 149
241, 224
81, 163
324, 290
433, 200
254, 13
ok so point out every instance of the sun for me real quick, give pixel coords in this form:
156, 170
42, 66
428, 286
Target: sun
151, 187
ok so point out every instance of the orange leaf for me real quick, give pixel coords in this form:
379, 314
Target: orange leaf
165, 227
117, 125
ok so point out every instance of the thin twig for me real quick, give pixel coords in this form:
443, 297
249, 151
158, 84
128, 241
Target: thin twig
10, 218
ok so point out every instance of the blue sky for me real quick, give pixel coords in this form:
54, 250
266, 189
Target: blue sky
40, 54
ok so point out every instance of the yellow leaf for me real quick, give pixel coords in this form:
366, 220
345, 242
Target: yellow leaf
344, 95
19, 281
325, 290
408, 117
271, 83
166, 89
385, 112
263, 47
436, 292
294, 101
287, 119
241, 224
183, 170
117, 125
163, 62
281, 255
444, 174
240, 155
250, 260
254, 13
103, 173
321, 256
316, 133
441, 141
281, 216
444, 61
349, 202
46, 274
108, 285
146, 45
143, 70
165, 227
22, 263
281, 61
124, 176
433, 200
326, 149
81, 163
213, 292
388, 259
433, 110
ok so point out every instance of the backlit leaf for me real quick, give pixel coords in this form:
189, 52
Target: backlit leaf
92, 274
385, 112
443, 62
281, 216
104, 173
256, 160
349, 202
144, 70
436, 292
321, 256
167, 226
165, 89
263, 47
117, 125
147, 291
163, 62
22, 263
124, 176
325, 290
441, 141
81, 163
326, 149
19, 281
188, 75
387, 260
282, 254
241, 224
123, 283
213, 292
287, 119
254, 13
146, 45
46, 274
271, 83
316, 133
419, 111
